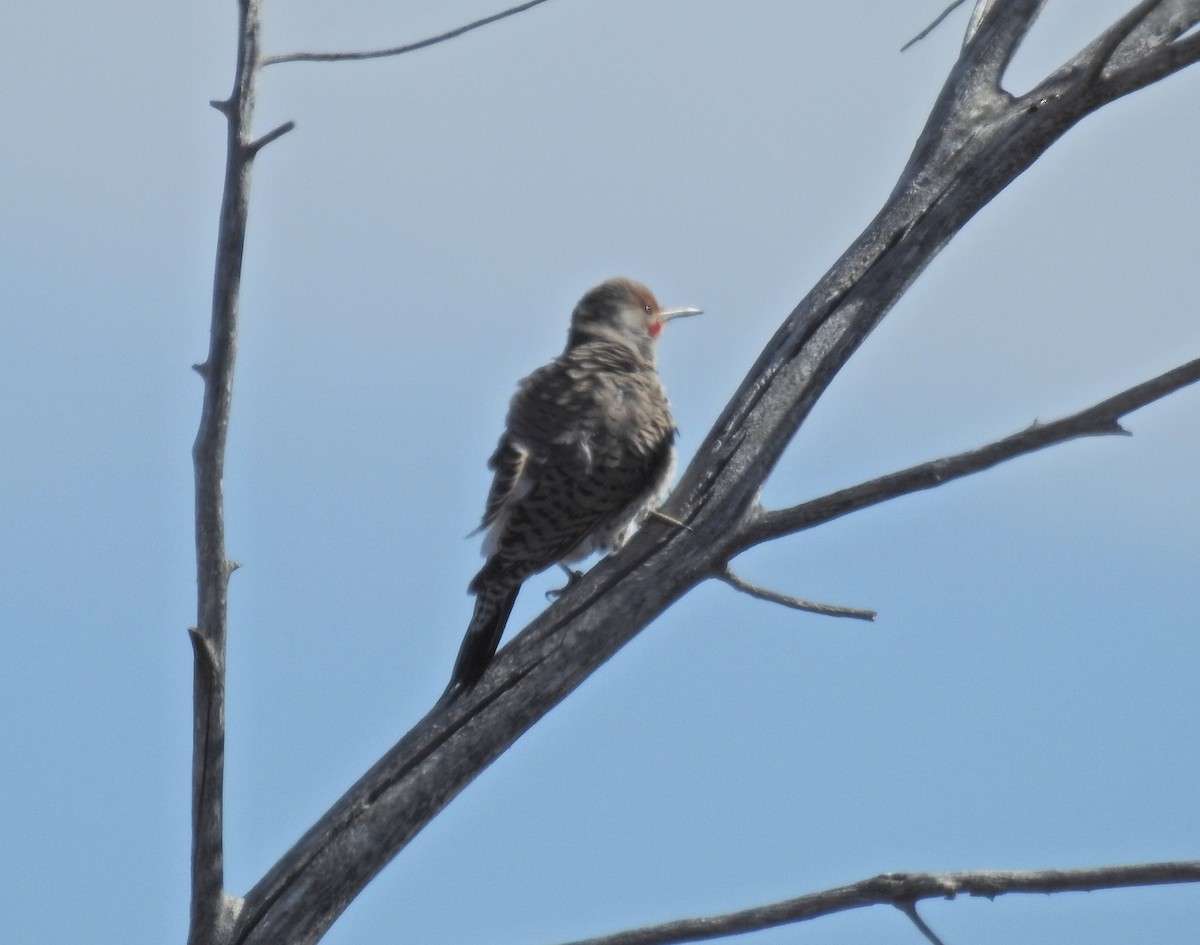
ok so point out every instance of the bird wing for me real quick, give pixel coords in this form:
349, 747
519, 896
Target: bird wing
510, 463
526, 443
542, 407
574, 451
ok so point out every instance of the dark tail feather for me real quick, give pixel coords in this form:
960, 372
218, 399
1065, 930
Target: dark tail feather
493, 604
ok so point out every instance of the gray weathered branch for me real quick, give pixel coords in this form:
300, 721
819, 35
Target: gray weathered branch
1098, 420
903, 890
954, 5
1142, 47
794, 603
979, 138
399, 50
213, 911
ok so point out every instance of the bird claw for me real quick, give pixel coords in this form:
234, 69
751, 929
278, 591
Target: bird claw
573, 577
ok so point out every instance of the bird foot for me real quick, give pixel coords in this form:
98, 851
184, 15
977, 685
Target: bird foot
573, 577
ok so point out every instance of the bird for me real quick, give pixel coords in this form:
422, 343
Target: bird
587, 452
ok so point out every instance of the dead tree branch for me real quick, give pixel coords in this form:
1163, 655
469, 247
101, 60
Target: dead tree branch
213, 910
794, 603
979, 138
904, 890
1102, 419
910, 910
932, 26
400, 50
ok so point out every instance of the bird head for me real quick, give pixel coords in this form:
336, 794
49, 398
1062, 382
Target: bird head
623, 311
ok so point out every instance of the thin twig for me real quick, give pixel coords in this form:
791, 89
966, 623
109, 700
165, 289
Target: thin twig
932, 26
275, 133
910, 910
903, 890
795, 603
400, 50
1098, 420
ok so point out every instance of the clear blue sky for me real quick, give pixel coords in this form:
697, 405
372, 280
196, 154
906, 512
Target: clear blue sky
1028, 697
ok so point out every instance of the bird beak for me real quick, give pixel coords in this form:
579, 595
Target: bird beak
667, 314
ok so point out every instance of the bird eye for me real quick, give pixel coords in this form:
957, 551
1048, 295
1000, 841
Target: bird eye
647, 308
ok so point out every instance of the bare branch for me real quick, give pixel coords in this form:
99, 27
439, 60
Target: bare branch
1167, 60
1159, 25
1098, 420
978, 140
208, 757
932, 26
213, 911
994, 34
903, 890
1164, 25
1100, 53
795, 603
910, 910
275, 133
1137, 50
981, 10
400, 50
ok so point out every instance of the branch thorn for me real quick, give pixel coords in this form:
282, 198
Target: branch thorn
660, 516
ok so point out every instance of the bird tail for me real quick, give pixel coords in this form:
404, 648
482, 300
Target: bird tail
493, 603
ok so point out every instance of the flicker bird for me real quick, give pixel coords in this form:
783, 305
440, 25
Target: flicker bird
587, 451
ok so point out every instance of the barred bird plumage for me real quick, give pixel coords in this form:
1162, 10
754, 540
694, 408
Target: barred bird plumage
587, 451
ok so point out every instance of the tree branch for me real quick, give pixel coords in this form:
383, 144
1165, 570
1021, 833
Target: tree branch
1098, 420
1167, 59
273, 135
994, 35
400, 50
903, 890
795, 603
977, 140
213, 911
910, 910
1137, 50
1146, 31
1162, 26
1101, 52
955, 4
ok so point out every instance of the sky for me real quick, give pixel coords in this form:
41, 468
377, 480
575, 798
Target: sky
1027, 698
